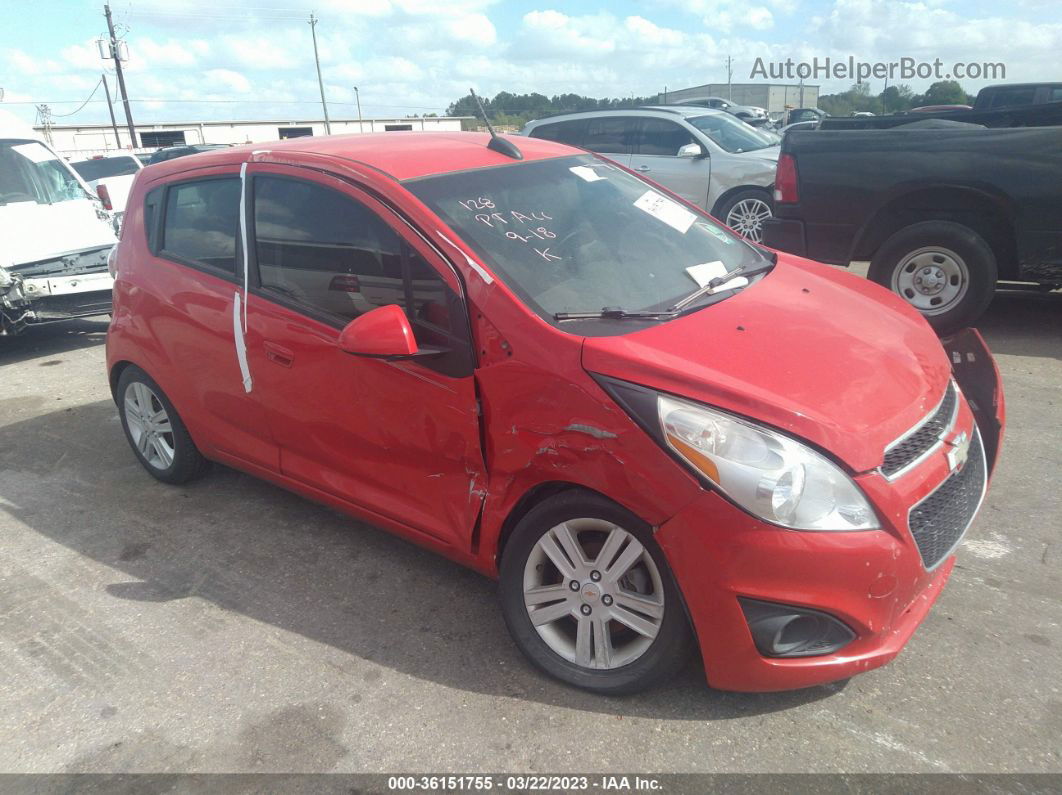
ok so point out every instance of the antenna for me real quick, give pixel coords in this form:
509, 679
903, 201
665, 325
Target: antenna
497, 143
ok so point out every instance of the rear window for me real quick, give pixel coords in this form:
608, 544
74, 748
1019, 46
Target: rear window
103, 167
202, 222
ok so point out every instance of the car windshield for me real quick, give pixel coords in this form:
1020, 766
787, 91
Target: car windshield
103, 167
577, 234
30, 172
730, 133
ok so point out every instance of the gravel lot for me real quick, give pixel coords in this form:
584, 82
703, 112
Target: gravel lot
231, 626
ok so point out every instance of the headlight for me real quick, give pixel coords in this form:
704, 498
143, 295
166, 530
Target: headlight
769, 475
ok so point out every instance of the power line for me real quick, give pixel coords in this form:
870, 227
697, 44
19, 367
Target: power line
83, 104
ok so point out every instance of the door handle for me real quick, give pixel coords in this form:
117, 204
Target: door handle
642, 168
278, 353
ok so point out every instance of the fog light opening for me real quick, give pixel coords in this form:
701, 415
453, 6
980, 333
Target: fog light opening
787, 631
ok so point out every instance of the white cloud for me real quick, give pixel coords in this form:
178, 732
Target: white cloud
226, 79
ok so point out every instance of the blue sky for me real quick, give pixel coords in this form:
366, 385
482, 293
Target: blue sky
192, 59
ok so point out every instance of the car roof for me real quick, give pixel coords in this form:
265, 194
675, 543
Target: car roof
654, 111
400, 155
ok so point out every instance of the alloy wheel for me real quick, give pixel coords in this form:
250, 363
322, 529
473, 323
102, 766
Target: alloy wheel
593, 593
747, 217
149, 425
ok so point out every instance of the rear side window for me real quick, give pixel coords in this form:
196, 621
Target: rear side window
202, 223
610, 135
660, 137
1014, 96
565, 132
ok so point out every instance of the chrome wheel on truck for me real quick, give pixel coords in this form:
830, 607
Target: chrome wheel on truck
588, 596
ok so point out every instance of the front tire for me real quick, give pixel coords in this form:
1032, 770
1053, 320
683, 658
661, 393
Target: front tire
154, 430
943, 269
745, 212
588, 596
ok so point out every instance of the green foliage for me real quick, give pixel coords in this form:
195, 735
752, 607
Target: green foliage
894, 99
516, 109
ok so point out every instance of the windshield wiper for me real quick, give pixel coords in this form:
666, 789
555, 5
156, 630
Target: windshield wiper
718, 281
615, 313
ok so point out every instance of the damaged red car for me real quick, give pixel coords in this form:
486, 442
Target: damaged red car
656, 435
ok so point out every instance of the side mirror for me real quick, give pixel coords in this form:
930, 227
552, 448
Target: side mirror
383, 333
692, 150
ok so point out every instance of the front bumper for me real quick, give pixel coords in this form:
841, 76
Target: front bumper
872, 581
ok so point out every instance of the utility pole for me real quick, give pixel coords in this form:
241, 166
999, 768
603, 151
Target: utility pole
110, 108
883, 98
320, 83
121, 78
45, 114
357, 97
729, 78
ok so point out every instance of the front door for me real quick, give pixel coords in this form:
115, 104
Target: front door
400, 438
655, 154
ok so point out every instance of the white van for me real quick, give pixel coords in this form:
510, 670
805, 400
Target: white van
54, 235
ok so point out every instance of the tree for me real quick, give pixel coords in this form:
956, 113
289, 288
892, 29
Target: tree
944, 92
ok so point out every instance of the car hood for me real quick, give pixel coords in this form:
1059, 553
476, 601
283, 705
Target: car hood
768, 155
818, 353
32, 232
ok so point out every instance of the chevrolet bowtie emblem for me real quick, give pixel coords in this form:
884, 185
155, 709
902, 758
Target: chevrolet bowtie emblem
960, 450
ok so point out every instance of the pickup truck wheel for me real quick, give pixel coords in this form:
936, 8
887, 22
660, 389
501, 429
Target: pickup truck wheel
745, 212
587, 595
943, 269
154, 430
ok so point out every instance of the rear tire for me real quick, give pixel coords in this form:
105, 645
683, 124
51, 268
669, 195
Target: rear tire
576, 635
943, 269
154, 430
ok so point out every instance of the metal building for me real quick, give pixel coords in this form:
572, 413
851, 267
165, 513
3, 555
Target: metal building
85, 140
773, 97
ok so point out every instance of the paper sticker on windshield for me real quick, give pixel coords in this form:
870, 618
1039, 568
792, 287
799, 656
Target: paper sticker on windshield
34, 152
585, 172
706, 271
663, 209
716, 232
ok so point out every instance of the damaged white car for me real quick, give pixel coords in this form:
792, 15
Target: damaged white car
55, 236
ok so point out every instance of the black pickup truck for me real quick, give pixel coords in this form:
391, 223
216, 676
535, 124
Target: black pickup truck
941, 214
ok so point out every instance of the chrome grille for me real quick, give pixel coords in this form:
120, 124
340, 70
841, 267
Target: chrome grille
939, 521
920, 440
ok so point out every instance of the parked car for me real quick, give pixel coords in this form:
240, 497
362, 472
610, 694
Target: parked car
110, 178
743, 112
653, 432
172, 152
56, 235
800, 125
942, 214
707, 157
1017, 94
796, 115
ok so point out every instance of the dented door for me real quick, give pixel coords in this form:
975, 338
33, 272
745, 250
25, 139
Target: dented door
399, 438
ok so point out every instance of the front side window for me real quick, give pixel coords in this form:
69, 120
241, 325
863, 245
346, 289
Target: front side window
334, 255
31, 172
202, 222
660, 137
576, 234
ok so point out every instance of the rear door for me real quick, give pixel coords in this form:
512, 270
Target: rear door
611, 136
399, 438
655, 154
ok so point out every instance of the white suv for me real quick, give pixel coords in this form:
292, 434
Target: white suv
707, 157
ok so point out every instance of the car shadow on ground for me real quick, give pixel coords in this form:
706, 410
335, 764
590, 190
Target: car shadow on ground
259, 551
1024, 323
52, 340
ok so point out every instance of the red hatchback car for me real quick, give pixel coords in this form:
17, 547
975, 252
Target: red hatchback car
539, 364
